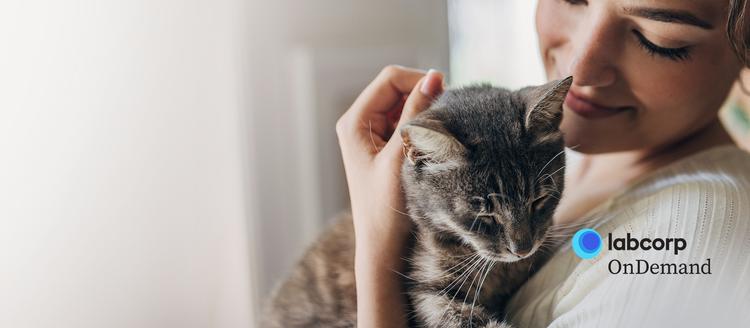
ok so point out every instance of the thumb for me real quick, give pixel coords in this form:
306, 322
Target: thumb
420, 98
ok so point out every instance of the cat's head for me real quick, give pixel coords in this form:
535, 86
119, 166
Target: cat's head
484, 166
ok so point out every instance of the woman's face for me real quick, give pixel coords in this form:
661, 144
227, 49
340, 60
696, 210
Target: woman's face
646, 73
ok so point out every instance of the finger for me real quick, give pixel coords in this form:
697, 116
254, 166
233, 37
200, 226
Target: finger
392, 118
366, 123
380, 96
423, 94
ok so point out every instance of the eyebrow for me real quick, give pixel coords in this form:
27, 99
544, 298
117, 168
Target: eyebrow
669, 16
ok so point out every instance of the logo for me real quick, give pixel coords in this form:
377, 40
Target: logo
633, 244
587, 243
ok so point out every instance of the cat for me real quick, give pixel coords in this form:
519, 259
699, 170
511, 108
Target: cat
482, 177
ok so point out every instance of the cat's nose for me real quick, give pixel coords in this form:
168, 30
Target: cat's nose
521, 249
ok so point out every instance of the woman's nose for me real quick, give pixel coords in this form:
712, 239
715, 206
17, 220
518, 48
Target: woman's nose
596, 50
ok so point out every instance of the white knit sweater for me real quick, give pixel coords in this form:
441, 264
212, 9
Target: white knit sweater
705, 199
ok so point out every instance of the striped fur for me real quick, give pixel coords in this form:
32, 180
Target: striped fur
482, 180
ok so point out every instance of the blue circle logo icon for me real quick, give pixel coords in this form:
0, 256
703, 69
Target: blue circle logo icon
587, 243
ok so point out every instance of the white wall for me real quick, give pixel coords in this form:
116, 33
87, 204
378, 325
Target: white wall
495, 41
123, 164
310, 60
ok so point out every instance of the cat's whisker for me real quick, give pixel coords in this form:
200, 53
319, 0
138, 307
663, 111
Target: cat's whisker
538, 175
468, 291
411, 315
555, 193
547, 250
553, 196
548, 162
542, 251
553, 243
549, 243
576, 224
544, 177
558, 170
557, 238
567, 230
447, 307
463, 264
494, 194
377, 149
372, 139
474, 222
402, 275
560, 232
408, 260
555, 185
550, 246
407, 214
551, 176
443, 276
460, 256
466, 273
479, 289
554, 240
555, 190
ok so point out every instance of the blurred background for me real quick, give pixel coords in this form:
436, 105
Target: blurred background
163, 163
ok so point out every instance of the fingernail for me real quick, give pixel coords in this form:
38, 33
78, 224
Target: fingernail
431, 83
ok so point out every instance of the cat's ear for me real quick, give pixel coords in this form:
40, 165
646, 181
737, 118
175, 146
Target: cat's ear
427, 141
544, 105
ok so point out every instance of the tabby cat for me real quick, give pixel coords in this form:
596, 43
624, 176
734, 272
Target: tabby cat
482, 176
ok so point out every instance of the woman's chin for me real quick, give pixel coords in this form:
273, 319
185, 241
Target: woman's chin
587, 139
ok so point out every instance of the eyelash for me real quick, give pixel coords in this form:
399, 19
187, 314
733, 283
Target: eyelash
675, 54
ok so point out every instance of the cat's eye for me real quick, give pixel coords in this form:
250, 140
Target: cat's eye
500, 197
539, 203
477, 204
488, 219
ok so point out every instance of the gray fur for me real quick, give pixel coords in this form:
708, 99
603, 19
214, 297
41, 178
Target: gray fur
482, 179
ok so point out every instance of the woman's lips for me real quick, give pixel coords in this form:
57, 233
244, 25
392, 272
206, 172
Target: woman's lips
589, 109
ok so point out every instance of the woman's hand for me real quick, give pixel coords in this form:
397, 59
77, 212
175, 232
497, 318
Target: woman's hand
372, 152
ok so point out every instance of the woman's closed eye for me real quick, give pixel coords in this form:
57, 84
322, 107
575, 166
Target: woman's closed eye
676, 54
653, 49
577, 2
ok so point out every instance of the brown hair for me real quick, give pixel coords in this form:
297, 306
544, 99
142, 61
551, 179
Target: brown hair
738, 30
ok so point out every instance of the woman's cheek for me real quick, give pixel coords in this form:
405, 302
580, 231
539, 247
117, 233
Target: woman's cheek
674, 107
553, 30
681, 91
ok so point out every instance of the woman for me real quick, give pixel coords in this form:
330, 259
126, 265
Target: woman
649, 78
